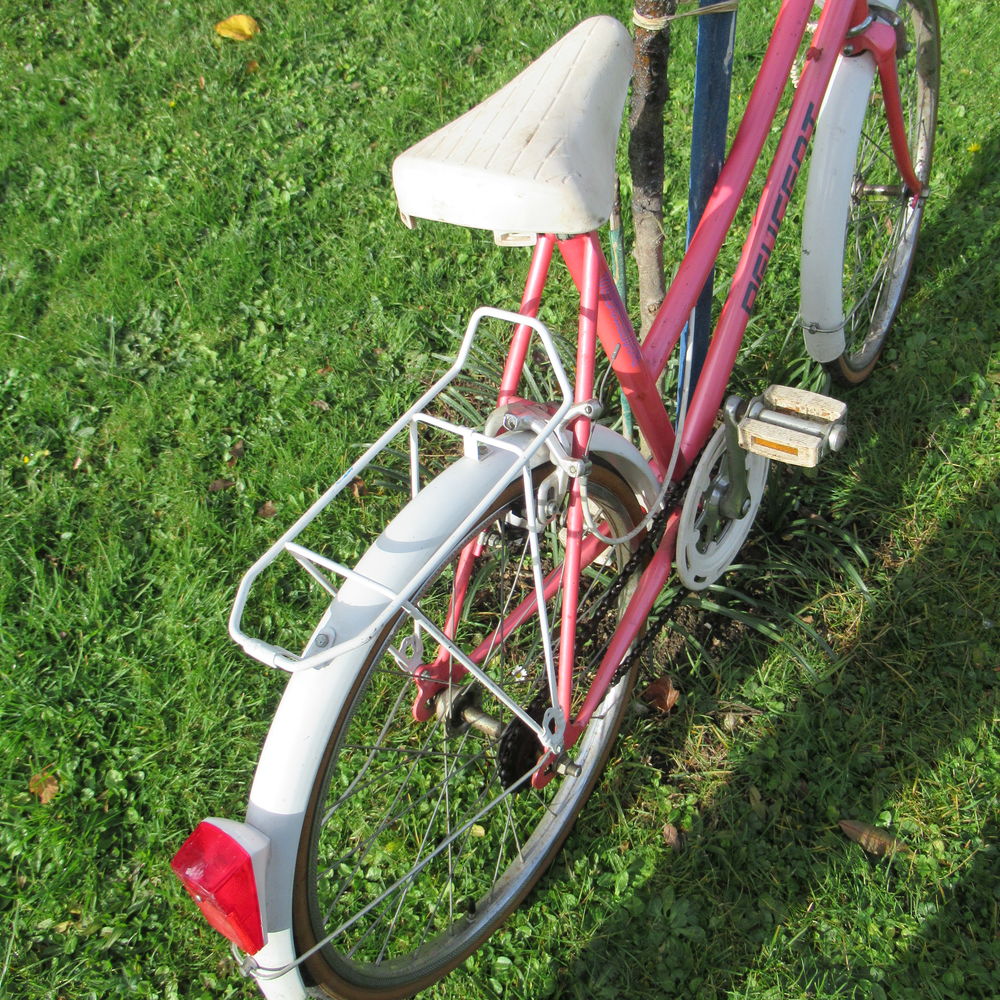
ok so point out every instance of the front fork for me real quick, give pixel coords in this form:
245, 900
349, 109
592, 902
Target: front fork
883, 34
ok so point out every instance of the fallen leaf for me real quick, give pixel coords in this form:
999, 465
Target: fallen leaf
267, 509
358, 488
220, 484
661, 694
236, 453
320, 404
44, 786
876, 841
252, 66
672, 837
239, 27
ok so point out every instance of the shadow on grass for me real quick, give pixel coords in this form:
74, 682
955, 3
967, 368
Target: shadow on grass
768, 890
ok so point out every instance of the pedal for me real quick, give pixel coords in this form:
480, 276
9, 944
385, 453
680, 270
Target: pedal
793, 426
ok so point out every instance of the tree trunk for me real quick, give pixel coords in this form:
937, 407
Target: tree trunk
645, 153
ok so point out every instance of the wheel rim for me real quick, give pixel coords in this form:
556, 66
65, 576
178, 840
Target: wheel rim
882, 220
402, 815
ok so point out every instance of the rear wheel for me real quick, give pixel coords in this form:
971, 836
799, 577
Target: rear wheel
421, 837
881, 219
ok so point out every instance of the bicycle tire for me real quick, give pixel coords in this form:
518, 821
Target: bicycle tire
389, 790
857, 281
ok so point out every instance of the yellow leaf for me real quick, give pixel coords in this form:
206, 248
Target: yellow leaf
239, 27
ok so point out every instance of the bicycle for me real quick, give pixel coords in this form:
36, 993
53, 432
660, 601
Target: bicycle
457, 699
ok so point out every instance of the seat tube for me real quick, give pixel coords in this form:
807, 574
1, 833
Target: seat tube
583, 391
614, 329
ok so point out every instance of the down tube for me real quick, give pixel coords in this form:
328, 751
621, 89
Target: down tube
759, 244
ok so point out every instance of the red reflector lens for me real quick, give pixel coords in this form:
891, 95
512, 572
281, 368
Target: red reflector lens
217, 872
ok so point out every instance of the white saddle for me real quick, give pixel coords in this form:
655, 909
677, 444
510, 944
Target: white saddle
536, 157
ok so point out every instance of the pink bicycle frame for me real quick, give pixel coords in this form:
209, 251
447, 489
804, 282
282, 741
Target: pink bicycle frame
603, 317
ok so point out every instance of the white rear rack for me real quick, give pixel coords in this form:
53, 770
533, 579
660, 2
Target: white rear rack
322, 648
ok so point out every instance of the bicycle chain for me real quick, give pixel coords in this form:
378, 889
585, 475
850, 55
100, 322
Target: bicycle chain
655, 622
518, 746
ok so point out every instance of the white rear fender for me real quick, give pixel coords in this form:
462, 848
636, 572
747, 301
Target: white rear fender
314, 699
627, 461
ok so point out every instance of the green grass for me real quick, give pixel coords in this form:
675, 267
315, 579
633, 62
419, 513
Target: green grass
193, 252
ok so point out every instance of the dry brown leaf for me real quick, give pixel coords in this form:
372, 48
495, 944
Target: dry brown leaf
267, 509
44, 786
661, 694
320, 404
239, 27
220, 484
236, 452
358, 488
876, 841
672, 837
252, 66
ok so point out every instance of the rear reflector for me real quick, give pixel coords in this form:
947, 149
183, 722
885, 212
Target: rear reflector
216, 865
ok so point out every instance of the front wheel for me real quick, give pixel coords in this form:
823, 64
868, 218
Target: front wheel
421, 837
860, 224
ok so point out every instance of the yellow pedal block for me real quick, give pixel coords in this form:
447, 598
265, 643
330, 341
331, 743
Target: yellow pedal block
793, 426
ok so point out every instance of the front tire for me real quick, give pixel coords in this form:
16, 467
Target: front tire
860, 225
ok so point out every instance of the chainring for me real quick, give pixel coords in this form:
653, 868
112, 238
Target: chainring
708, 541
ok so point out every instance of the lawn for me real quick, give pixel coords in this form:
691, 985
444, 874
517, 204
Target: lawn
207, 305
